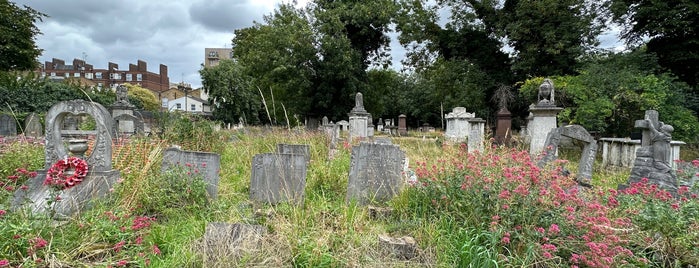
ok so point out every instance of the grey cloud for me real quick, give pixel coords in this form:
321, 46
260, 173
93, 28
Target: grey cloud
224, 16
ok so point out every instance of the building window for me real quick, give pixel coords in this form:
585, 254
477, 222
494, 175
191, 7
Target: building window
115, 76
99, 86
164, 102
179, 106
193, 107
212, 62
67, 75
213, 54
76, 75
43, 74
129, 77
53, 73
88, 75
98, 75
139, 77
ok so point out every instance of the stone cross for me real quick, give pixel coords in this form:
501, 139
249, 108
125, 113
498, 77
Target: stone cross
646, 138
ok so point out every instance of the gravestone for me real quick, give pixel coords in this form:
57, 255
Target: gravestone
32, 126
403, 248
278, 178
8, 127
402, 125
503, 130
654, 156
375, 173
370, 127
476, 134
225, 243
587, 159
457, 124
100, 176
543, 117
300, 149
379, 125
205, 163
358, 119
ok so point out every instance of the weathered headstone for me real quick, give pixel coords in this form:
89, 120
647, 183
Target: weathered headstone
543, 117
654, 156
8, 127
476, 134
205, 163
358, 119
375, 173
370, 127
100, 176
278, 178
225, 243
589, 151
402, 125
457, 124
300, 149
32, 126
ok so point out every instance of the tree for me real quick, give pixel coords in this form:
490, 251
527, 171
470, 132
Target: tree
18, 50
670, 26
231, 94
142, 98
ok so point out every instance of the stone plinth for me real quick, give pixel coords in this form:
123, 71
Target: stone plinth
457, 124
543, 121
358, 126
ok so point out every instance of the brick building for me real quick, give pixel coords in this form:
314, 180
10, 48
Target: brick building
111, 77
212, 56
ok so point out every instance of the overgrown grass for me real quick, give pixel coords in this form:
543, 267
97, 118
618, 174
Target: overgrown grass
451, 212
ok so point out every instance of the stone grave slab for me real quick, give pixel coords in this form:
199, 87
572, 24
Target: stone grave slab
375, 174
278, 178
209, 164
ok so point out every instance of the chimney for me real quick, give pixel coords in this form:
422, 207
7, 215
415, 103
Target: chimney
133, 67
113, 66
164, 79
142, 67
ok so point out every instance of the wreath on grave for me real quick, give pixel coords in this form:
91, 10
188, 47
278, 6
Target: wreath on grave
56, 175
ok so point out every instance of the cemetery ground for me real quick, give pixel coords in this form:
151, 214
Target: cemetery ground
486, 209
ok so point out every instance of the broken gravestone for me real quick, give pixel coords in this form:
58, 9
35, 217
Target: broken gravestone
225, 243
654, 156
375, 174
100, 176
278, 178
205, 163
403, 248
587, 159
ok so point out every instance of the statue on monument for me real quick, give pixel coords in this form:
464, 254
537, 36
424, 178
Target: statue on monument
546, 93
359, 101
121, 94
660, 139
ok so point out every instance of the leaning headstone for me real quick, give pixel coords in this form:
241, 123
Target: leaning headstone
375, 173
587, 159
100, 177
543, 117
654, 157
8, 127
300, 149
225, 243
205, 163
403, 248
278, 178
32, 126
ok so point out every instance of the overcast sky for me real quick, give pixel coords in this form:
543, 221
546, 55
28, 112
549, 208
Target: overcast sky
171, 32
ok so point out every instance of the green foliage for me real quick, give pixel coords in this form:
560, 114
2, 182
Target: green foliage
18, 50
179, 189
192, 132
611, 92
231, 93
25, 93
144, 98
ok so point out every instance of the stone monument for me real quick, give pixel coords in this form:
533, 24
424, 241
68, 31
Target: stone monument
358, 119
543, 117
100, 177
123, 114
587, 159
402, 125
654, 156
457, 124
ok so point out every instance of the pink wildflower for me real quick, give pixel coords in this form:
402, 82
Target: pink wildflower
554, 229
4, 263
156, 250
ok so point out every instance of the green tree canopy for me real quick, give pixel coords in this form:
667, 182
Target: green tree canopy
18, 50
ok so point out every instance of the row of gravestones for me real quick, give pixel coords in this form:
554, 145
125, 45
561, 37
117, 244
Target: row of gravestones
32, 126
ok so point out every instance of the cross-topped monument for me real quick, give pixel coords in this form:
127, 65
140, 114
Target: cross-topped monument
651, 115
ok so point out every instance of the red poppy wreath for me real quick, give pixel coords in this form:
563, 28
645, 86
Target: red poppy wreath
57, 178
